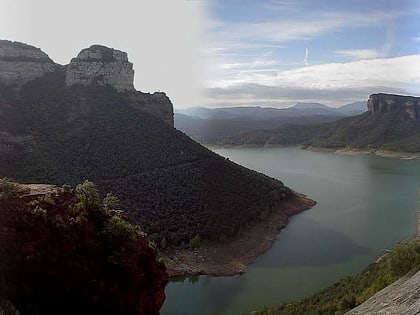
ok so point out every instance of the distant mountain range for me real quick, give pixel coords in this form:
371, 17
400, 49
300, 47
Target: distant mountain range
207, 125
392, 122
264, 113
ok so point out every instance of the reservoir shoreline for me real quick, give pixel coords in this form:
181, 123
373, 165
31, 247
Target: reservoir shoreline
234, 256
344, 151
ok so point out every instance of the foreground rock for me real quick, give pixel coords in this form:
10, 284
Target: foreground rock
400, 298
64, 251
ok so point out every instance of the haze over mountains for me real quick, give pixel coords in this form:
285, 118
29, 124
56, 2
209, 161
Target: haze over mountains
392, 122
207, 125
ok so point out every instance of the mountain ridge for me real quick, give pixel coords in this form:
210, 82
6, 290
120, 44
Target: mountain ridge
391, 123
174, 188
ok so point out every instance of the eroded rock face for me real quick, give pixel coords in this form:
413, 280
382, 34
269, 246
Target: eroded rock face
400, 298
21, 63
382, 103
101, 65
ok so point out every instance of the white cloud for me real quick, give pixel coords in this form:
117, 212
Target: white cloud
333, 83
358, 54
238, 35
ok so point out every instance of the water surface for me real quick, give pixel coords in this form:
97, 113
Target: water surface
366, 203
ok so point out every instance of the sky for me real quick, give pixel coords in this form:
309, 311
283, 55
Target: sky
220, 53
279, 52
162, 37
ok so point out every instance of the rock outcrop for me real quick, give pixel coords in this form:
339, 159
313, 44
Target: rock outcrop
400, 298
21, 63
96, 65
89, 258
101, 65
382, 103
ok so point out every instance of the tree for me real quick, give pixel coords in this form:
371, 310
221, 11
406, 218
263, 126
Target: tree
195, 242
88, 194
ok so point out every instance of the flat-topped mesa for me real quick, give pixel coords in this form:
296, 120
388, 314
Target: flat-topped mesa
21, 63
101, 65
382, 103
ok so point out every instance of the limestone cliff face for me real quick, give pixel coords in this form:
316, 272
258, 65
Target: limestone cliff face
101, 65
382, 103
21, 63
96, 65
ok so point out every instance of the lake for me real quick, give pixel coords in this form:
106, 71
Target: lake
366, 203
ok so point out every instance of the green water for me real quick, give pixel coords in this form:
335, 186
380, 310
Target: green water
365, 204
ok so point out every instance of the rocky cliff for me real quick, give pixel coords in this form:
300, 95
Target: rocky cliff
96, 65
90, 259
21, 63
101, 65
382, 103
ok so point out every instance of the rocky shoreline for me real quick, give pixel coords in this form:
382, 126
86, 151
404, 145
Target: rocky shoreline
234, 256
344, 151
383, 153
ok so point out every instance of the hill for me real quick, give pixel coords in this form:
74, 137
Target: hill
392, 123
86, 121
210, 130
207, 125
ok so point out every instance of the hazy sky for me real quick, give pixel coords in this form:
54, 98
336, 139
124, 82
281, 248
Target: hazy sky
162, 37
237, 52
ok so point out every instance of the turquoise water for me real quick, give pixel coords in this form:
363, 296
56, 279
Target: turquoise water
365, 204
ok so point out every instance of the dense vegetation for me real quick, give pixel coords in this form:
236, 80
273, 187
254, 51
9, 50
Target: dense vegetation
173, 187
67, 251
391, 130
210, 130
352, 291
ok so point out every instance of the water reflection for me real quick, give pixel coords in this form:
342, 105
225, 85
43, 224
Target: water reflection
313, 245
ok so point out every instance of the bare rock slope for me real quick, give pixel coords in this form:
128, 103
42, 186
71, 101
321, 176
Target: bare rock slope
400, 298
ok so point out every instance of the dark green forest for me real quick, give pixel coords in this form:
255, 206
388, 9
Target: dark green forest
392, 130
172, 187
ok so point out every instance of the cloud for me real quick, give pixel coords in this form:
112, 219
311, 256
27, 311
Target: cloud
305, 60
333, 83
358, 54
230, 35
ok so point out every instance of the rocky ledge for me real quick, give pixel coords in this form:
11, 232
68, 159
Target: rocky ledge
88, 256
